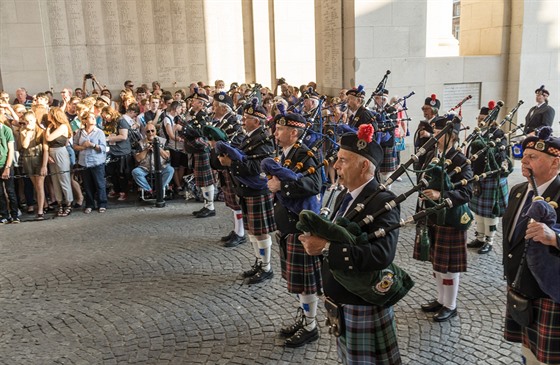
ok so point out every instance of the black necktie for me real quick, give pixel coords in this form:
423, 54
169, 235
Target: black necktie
521, 225
345, 202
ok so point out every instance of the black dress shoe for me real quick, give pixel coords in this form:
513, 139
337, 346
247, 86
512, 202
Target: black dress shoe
302, 337
475, 244
445, 314
228, 237
260, 276
252, 271
235, 241
432, 306
485, 249
205, 212
291, 330
197, 211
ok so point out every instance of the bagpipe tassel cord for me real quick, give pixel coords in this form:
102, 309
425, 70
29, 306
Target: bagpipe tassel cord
238, 227
308, 303
208, 194
265, 252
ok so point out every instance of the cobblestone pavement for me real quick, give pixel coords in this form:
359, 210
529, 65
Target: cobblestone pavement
153, 285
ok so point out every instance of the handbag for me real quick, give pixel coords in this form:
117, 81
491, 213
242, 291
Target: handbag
399, 144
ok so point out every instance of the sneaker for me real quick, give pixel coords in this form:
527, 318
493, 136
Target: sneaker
302, 337
15, 221
260, 276
112, 194
122, 197
4, 221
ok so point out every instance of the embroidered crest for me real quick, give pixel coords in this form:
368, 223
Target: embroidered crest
250, 110
385, 283
465, 218
221, 97
540, 146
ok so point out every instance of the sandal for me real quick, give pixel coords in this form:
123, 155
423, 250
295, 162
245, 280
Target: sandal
87, 210
67, 211
60, 212
40, 217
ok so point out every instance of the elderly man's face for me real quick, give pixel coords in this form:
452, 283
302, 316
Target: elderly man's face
21, 94
353, 102
544, 166
349, 169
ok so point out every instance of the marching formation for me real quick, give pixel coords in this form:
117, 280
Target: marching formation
313, 175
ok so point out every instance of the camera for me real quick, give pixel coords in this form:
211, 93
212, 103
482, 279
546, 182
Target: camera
88, 76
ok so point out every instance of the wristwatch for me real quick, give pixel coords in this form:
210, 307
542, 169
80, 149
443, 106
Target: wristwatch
325, 250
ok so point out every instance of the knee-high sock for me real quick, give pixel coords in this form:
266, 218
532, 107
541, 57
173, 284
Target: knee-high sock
528, 358
480, 227
491, 227
255, 244
439, 286
265, 251
238, 223
208, 194
450, 289
309, 304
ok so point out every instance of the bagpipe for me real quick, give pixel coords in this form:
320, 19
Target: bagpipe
379, 89
543, 264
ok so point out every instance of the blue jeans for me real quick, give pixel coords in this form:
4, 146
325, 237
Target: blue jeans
94, 186
9, 185
139, 175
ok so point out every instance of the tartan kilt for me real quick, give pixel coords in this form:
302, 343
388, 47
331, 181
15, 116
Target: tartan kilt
203, 174
370, 336
389, 163
491, 192
448, 249
543, 335
301, 271
231, 200
258, 214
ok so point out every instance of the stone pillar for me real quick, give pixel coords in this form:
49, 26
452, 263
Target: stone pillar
329, 48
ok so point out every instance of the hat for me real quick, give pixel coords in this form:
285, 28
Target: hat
485, 110
311, 94
254, 109
542, 90
357, 92
198, 96
214, 134
432, 101
222, 97
363, 144
104, 99
293, 120
543, 142
440, 122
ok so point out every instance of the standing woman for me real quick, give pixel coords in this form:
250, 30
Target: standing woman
57, 134
91, 144
120, 151
34, 156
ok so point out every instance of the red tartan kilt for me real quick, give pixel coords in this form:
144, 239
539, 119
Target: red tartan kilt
231, 200
389, 163
258, 214
448, 249
301, 271
543, 335
203, 174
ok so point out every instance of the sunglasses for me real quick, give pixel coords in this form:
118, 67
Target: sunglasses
150, 131
129, 85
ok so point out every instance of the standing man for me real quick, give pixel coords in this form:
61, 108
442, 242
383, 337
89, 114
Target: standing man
301, 271
430, 109
386, 139
255, 199
540, 339
368, 332
541, 114
357, 113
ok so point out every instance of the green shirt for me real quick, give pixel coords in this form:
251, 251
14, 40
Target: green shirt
6, 136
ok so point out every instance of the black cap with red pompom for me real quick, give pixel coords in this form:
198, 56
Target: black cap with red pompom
363, 144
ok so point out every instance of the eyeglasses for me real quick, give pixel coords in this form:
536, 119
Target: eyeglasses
150, 131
